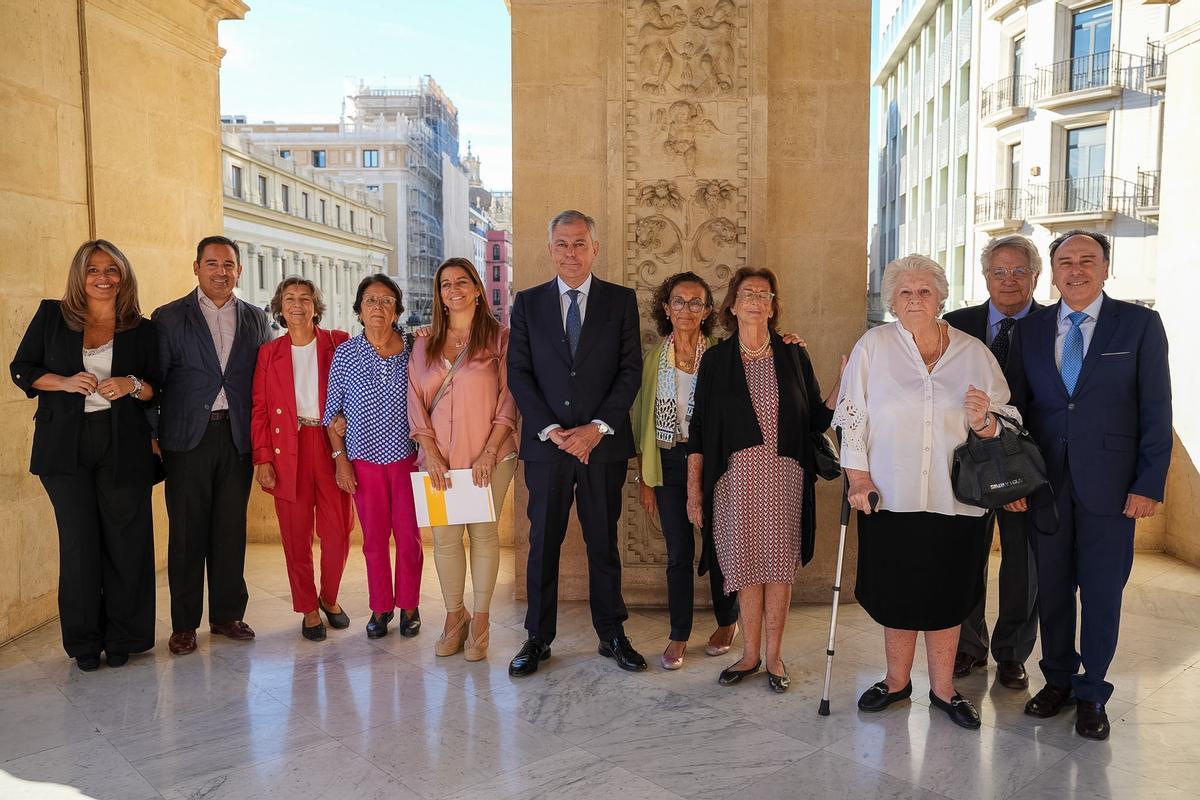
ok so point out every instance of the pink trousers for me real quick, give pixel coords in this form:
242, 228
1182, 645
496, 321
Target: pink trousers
385, 510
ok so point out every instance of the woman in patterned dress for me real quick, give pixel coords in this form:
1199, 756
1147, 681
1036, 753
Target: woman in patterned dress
750, 465
368, 386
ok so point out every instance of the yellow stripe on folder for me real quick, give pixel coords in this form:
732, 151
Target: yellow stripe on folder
435, 502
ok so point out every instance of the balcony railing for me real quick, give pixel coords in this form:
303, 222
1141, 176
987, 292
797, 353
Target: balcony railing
1098, 195
1015, 91
1110, 69
1147, 189
1001, 205
1156, 66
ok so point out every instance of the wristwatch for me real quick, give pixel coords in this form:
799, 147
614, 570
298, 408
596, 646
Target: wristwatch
137, 386
603, 427
336, 453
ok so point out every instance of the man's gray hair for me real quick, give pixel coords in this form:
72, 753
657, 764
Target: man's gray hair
908, 264
1016, 242
566, 218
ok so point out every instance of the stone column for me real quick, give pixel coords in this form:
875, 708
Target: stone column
716, 134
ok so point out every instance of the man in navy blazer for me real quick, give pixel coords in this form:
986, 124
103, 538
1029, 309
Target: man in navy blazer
1011, 266
574, 368
1089, 374
208, 346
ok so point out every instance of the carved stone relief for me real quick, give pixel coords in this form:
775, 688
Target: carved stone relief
686, 168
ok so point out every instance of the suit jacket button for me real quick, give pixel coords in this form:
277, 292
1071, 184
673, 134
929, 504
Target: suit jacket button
276, 451
277, 430
279, 411
1070, 406
566, 402
572, 374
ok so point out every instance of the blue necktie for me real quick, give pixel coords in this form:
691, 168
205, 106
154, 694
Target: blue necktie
1072, 354
574, 322
1002, 341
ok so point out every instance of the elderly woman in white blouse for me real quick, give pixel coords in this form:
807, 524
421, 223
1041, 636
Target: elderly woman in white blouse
910, 392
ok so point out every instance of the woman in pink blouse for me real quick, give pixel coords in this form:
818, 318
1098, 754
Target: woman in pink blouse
463, 417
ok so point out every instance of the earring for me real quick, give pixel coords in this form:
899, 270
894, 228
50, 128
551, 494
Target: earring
445, 309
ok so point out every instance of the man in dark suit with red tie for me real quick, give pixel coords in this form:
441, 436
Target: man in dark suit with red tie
1011, 266
1090, 377
574, 367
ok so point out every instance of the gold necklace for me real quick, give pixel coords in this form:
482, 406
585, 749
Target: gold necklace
379, 348
941, 352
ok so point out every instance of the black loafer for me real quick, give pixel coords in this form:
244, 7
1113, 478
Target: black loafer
526, 662
1012, 674
378, 624
779, 683
339, 620
959, 709
729, 677
410, 626
620, 649
877, 698
116, 659
965, 662
316, 633
1049, 701
1091, 721
89, 662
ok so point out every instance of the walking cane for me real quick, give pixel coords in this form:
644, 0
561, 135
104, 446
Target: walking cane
873, 499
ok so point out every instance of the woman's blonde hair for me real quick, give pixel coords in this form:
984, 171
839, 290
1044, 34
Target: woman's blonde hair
74, 301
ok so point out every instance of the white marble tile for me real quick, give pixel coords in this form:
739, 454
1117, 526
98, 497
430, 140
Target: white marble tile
39, 719
92, 767
823, 775
1077, 777
1152, 744
325, 772
572, 773
450, 747
1179, 698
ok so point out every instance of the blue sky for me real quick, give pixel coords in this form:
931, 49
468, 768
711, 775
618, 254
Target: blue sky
291, 61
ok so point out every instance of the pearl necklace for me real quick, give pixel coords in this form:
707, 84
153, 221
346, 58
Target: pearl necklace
757, 352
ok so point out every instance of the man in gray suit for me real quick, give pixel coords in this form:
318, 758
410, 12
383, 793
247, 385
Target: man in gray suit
208, 343
1011, 266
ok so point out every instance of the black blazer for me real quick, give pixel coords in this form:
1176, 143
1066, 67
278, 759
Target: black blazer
723, 421
49, 346
974, 320
192, 376
601, 382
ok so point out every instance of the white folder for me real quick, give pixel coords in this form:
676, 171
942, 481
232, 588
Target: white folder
462, 503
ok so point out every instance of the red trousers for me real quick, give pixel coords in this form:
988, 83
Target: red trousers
385, 508
319, 500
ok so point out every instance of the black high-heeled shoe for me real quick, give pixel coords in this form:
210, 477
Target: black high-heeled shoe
339, 620
779, 683
377, 627
729, 677
410, 625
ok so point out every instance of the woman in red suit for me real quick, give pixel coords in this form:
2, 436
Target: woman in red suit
292, 456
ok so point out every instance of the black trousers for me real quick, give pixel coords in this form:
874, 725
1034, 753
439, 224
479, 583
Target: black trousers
105, 551
1016, 623
680, 536
596, 488
208, 488
1094, 554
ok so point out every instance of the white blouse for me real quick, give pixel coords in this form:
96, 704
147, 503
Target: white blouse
304, 377
683, 390
98, 361
901, 422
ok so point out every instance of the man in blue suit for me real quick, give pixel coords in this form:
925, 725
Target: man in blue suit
574, 368
1089, 374
208, 347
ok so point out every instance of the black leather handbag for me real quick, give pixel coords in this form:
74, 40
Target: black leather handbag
825, 457
991, 473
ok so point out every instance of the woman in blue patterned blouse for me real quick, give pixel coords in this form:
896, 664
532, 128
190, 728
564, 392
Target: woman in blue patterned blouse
368, 386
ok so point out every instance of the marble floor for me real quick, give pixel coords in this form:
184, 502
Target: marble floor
350, 718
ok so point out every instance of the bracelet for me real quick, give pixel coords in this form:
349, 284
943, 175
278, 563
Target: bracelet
137, 386
987, 420
336, 453
490, 452
637, 478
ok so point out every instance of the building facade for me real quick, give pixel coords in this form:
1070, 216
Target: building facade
289, 219
497, 277
1018, 116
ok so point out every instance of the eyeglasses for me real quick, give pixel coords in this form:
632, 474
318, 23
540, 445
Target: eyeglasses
750, 296
695, 305
381, 302
1000, 273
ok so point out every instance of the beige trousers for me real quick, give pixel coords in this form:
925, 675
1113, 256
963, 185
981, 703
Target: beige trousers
450, 557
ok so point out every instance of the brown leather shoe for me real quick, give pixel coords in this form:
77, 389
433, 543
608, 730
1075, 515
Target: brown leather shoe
236, 630
182, 642
965, 662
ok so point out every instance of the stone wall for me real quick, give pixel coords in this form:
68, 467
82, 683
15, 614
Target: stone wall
703, 136
150, 77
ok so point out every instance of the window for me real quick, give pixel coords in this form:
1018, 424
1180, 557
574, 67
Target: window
1014, 166
371, 224
285, 192
304, 203
337, 215
285, 153
318, 158
262, 271
1084, 170
1018, 57
262, 190
322, 210
235, 180
495, 252
372, 187
370, 158
495, 297
496, 272
1091, 39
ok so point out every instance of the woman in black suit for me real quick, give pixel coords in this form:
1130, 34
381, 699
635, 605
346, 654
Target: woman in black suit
90, 359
